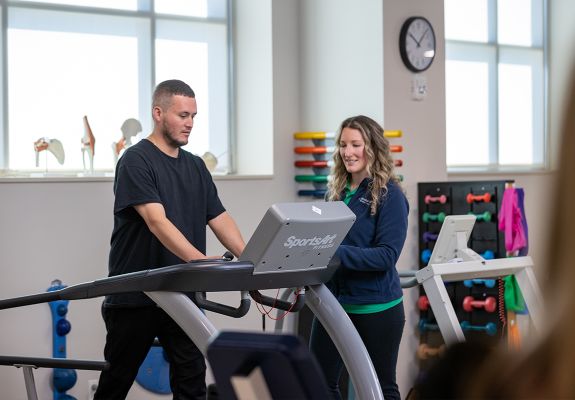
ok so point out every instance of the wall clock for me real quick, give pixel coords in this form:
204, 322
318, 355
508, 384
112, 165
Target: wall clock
417, 44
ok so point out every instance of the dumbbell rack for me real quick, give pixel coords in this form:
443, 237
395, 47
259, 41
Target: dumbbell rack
317, 159
478, 303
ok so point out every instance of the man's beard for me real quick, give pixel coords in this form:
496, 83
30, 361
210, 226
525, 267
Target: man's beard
170, 140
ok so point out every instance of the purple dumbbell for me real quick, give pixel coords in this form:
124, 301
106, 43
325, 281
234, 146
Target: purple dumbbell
429, 237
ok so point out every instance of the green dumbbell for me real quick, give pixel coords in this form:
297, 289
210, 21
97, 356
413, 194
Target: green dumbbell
485, 216
427, 217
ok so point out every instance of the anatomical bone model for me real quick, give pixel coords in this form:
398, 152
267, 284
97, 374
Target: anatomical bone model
131, 127
88, 145
54, 146
210, 160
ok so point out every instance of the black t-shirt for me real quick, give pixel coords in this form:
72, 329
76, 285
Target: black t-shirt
184, 187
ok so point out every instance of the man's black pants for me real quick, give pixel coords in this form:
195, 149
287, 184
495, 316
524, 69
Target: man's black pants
131, 333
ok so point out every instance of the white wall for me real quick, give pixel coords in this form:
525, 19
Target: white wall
320, 62
51, 231
341, 61
423, 125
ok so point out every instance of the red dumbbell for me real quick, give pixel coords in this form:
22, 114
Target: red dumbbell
424, 351
437, 199
485, 197
489, 304
423, 303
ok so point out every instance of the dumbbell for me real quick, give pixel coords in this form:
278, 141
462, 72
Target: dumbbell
485, 197
490, 283
423, 303
490, 328
424, 351
427, 326
425, 256
429, 237
437, 199
427, 217
484, 216
488, 255
489, 304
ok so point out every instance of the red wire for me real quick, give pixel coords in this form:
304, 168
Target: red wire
267, 313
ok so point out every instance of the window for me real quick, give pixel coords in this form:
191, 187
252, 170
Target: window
495, 86
64, 60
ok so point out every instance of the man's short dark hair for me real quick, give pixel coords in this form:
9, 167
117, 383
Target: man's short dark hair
167, 89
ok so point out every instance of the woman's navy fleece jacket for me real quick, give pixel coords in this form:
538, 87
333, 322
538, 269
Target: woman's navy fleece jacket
370, 250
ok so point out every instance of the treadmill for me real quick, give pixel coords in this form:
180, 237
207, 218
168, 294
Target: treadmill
292, 247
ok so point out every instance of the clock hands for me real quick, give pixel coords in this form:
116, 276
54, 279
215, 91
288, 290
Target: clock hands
420, 39
416, 41
422, 36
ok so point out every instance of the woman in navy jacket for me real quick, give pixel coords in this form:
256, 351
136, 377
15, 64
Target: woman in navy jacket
367, 283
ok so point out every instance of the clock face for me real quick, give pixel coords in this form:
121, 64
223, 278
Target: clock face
417, 44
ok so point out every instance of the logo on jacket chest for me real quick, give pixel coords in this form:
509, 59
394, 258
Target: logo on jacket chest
365, 201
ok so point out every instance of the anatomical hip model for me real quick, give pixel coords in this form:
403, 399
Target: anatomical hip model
88, 145
131, 127
54, 146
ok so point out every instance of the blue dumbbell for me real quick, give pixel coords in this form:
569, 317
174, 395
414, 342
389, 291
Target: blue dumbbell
426, 326
490, 283
425, 256
490, 328
488, 255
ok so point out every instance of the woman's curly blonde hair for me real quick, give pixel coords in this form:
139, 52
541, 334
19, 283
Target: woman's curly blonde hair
380, 166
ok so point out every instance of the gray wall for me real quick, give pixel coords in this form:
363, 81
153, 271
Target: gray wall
301, 65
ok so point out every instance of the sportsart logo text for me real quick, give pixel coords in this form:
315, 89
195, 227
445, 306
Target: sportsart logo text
317, 242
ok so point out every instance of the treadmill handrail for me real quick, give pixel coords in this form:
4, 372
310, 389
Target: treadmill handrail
199, 276
234, 312
48, 362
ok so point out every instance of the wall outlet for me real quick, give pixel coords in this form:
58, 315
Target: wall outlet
418, 87
92, 386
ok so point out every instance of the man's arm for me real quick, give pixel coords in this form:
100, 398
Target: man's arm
227, 232
155, 217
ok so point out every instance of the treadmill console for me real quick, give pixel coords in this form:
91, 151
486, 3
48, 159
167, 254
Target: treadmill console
298, 236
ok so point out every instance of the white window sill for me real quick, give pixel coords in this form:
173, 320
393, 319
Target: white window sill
499, 170
98, 176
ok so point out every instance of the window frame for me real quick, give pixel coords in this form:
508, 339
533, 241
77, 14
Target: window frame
146, 76
493, 54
